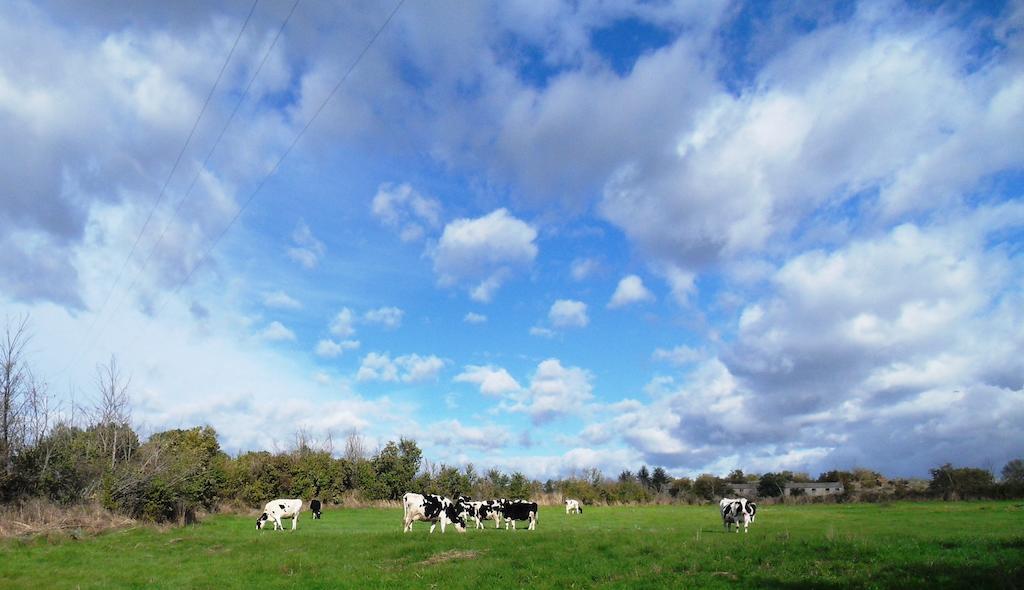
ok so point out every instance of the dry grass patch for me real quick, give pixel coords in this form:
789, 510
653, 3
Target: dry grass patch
39, 517
449, 556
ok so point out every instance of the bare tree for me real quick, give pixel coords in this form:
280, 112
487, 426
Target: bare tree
355, 447
14, 377
113, 412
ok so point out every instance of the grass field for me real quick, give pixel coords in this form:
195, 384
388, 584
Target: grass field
916, 545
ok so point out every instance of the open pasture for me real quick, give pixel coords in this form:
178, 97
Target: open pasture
923, 545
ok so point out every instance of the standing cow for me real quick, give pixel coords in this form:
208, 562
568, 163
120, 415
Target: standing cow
277, 509
484, 510
431, 508
738, 511
314, 509
515, 510
573, 506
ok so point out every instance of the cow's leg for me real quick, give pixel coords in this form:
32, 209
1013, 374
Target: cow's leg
295, 521
443, 522
432, 525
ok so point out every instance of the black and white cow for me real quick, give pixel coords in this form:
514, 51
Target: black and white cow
434, 509
277, 509
573, 506
483, 510
314, 507
738, 511
513, 510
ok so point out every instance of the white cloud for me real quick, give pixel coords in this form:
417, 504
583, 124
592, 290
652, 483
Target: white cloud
568, 313
410, 368
542, 332
474, 318
308, 250
838, 114
277, 332
330, 349
680, 355
491, 380
584, 268
554, 391
405, 210
482, 252
630, 290
452, 433
389, 317
280, 300
342, 324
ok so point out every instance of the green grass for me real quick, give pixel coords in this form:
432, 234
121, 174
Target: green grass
906, 545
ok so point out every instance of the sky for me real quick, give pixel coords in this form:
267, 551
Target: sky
538, 236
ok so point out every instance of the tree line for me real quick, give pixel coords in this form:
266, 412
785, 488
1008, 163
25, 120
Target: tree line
91, 453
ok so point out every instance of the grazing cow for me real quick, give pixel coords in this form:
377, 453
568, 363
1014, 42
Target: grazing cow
573, 506
738, 511
434, 509
519, 510
314, 507
277, 509
483, 510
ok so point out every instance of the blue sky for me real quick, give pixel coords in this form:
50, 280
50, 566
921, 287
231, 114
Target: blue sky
544, 236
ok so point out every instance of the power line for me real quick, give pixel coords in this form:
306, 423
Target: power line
288, 150
206, 161
167, 181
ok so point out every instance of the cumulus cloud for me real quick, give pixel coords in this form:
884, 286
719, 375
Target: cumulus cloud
630, 290
328, 348
307, 250
555, 390
410, 368
343, 324
483, 252
404, 209
280, 300
491, 380
389, 317
835, 115
895, 347
277, 332
568, 313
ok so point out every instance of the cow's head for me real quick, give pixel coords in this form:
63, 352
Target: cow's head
262, 519
751, 510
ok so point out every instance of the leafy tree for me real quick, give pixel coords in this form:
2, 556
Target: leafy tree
519, 487
644, 477
960, 482
626, 475
710, 487
1013, 472
451, 482
680, 487
771, 485
660, 479
736, 476
395, 466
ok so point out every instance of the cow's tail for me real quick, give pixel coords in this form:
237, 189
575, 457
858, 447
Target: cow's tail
580, 508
